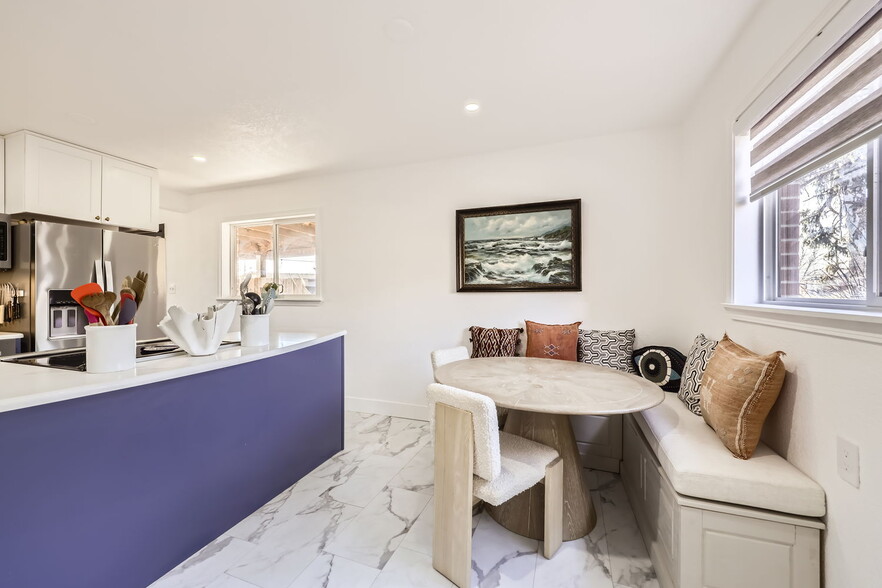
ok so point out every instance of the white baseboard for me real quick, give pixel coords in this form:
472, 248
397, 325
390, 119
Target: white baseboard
386, 407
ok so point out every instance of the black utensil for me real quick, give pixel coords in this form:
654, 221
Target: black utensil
255, 298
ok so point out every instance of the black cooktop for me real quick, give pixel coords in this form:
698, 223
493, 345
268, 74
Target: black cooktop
75, 359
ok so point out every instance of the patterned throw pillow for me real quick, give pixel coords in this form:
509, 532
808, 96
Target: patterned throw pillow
495, 342
611, 349
552, 341
696, 362
738, 390
660, 365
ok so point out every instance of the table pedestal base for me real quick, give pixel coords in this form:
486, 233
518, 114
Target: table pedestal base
524, 514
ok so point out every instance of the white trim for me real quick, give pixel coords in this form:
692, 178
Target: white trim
282, 300
754, 513
419, 412
854, 325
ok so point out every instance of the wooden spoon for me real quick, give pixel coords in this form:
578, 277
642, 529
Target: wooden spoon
139, 285
100, 303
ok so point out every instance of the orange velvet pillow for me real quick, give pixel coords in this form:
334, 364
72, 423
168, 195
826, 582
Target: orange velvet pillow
552, 341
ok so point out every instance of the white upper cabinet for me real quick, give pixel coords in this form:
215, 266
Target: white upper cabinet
47, 177
53, 178
129, 194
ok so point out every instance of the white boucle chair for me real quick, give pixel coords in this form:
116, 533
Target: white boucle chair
444, 356
473, 458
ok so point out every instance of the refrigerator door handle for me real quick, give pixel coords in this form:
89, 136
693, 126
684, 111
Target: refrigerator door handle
99, 273
108, 276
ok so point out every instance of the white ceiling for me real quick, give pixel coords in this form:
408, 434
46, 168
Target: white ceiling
271, 88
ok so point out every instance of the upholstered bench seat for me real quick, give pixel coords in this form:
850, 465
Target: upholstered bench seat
700, 509
699, 465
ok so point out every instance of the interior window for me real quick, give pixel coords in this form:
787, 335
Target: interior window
813, 161
283, 251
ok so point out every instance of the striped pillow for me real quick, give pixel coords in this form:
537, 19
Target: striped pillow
612, 349
693, 370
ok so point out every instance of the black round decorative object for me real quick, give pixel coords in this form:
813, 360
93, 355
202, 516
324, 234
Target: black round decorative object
660, 365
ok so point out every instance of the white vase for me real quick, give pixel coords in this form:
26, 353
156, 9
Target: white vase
198, 333
255, 330
110, 348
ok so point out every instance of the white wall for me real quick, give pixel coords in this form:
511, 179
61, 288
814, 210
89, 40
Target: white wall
832, 387
389, 265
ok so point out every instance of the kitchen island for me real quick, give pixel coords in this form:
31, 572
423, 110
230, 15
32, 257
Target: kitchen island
113, 479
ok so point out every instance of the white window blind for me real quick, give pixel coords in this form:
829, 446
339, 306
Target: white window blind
835, 108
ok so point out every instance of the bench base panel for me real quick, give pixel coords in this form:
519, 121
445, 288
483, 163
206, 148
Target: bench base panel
695, 543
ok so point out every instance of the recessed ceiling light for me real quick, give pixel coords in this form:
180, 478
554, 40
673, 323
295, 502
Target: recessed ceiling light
200, 158
472, 107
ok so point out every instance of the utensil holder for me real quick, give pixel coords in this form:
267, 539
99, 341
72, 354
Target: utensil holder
255, 330
110, 348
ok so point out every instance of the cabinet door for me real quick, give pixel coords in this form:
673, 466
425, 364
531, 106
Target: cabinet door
599, 439
61, 180
129, 195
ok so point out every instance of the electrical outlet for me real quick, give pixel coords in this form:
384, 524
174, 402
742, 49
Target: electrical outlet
848, 462
172, 288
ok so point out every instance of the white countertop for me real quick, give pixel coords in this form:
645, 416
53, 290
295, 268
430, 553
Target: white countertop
26, 385
6, 336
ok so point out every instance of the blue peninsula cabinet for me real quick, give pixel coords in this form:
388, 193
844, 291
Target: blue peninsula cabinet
112, 480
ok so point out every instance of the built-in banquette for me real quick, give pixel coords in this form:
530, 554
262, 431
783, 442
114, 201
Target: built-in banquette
709, 519
114, 479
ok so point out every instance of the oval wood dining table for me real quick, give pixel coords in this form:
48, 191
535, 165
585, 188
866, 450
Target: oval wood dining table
541, 394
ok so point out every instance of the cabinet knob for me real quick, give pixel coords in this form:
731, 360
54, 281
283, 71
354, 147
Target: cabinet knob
107, 218
97, 218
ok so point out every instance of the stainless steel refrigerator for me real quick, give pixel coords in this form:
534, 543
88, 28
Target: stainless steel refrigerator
50, 259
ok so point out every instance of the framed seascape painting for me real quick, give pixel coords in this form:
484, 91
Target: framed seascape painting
525, 247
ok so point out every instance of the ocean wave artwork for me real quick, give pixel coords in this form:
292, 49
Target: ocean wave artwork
528, 248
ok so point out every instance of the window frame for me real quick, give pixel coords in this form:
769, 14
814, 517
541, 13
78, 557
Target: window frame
226, 287
770, 242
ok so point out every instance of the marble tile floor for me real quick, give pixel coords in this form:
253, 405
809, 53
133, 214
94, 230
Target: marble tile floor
363, 519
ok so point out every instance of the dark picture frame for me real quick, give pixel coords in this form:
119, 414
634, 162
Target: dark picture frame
533, 247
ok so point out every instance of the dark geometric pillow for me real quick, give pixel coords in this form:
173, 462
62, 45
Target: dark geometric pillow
495, 342
660, 365
696, 362
611, 349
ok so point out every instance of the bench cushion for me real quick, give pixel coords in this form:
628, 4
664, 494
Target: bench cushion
699, 465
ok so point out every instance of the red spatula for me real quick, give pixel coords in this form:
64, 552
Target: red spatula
85, 290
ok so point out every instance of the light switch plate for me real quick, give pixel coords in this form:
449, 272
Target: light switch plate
848, 462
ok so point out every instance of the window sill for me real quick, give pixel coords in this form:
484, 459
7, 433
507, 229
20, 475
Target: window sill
283, 301
856, 325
